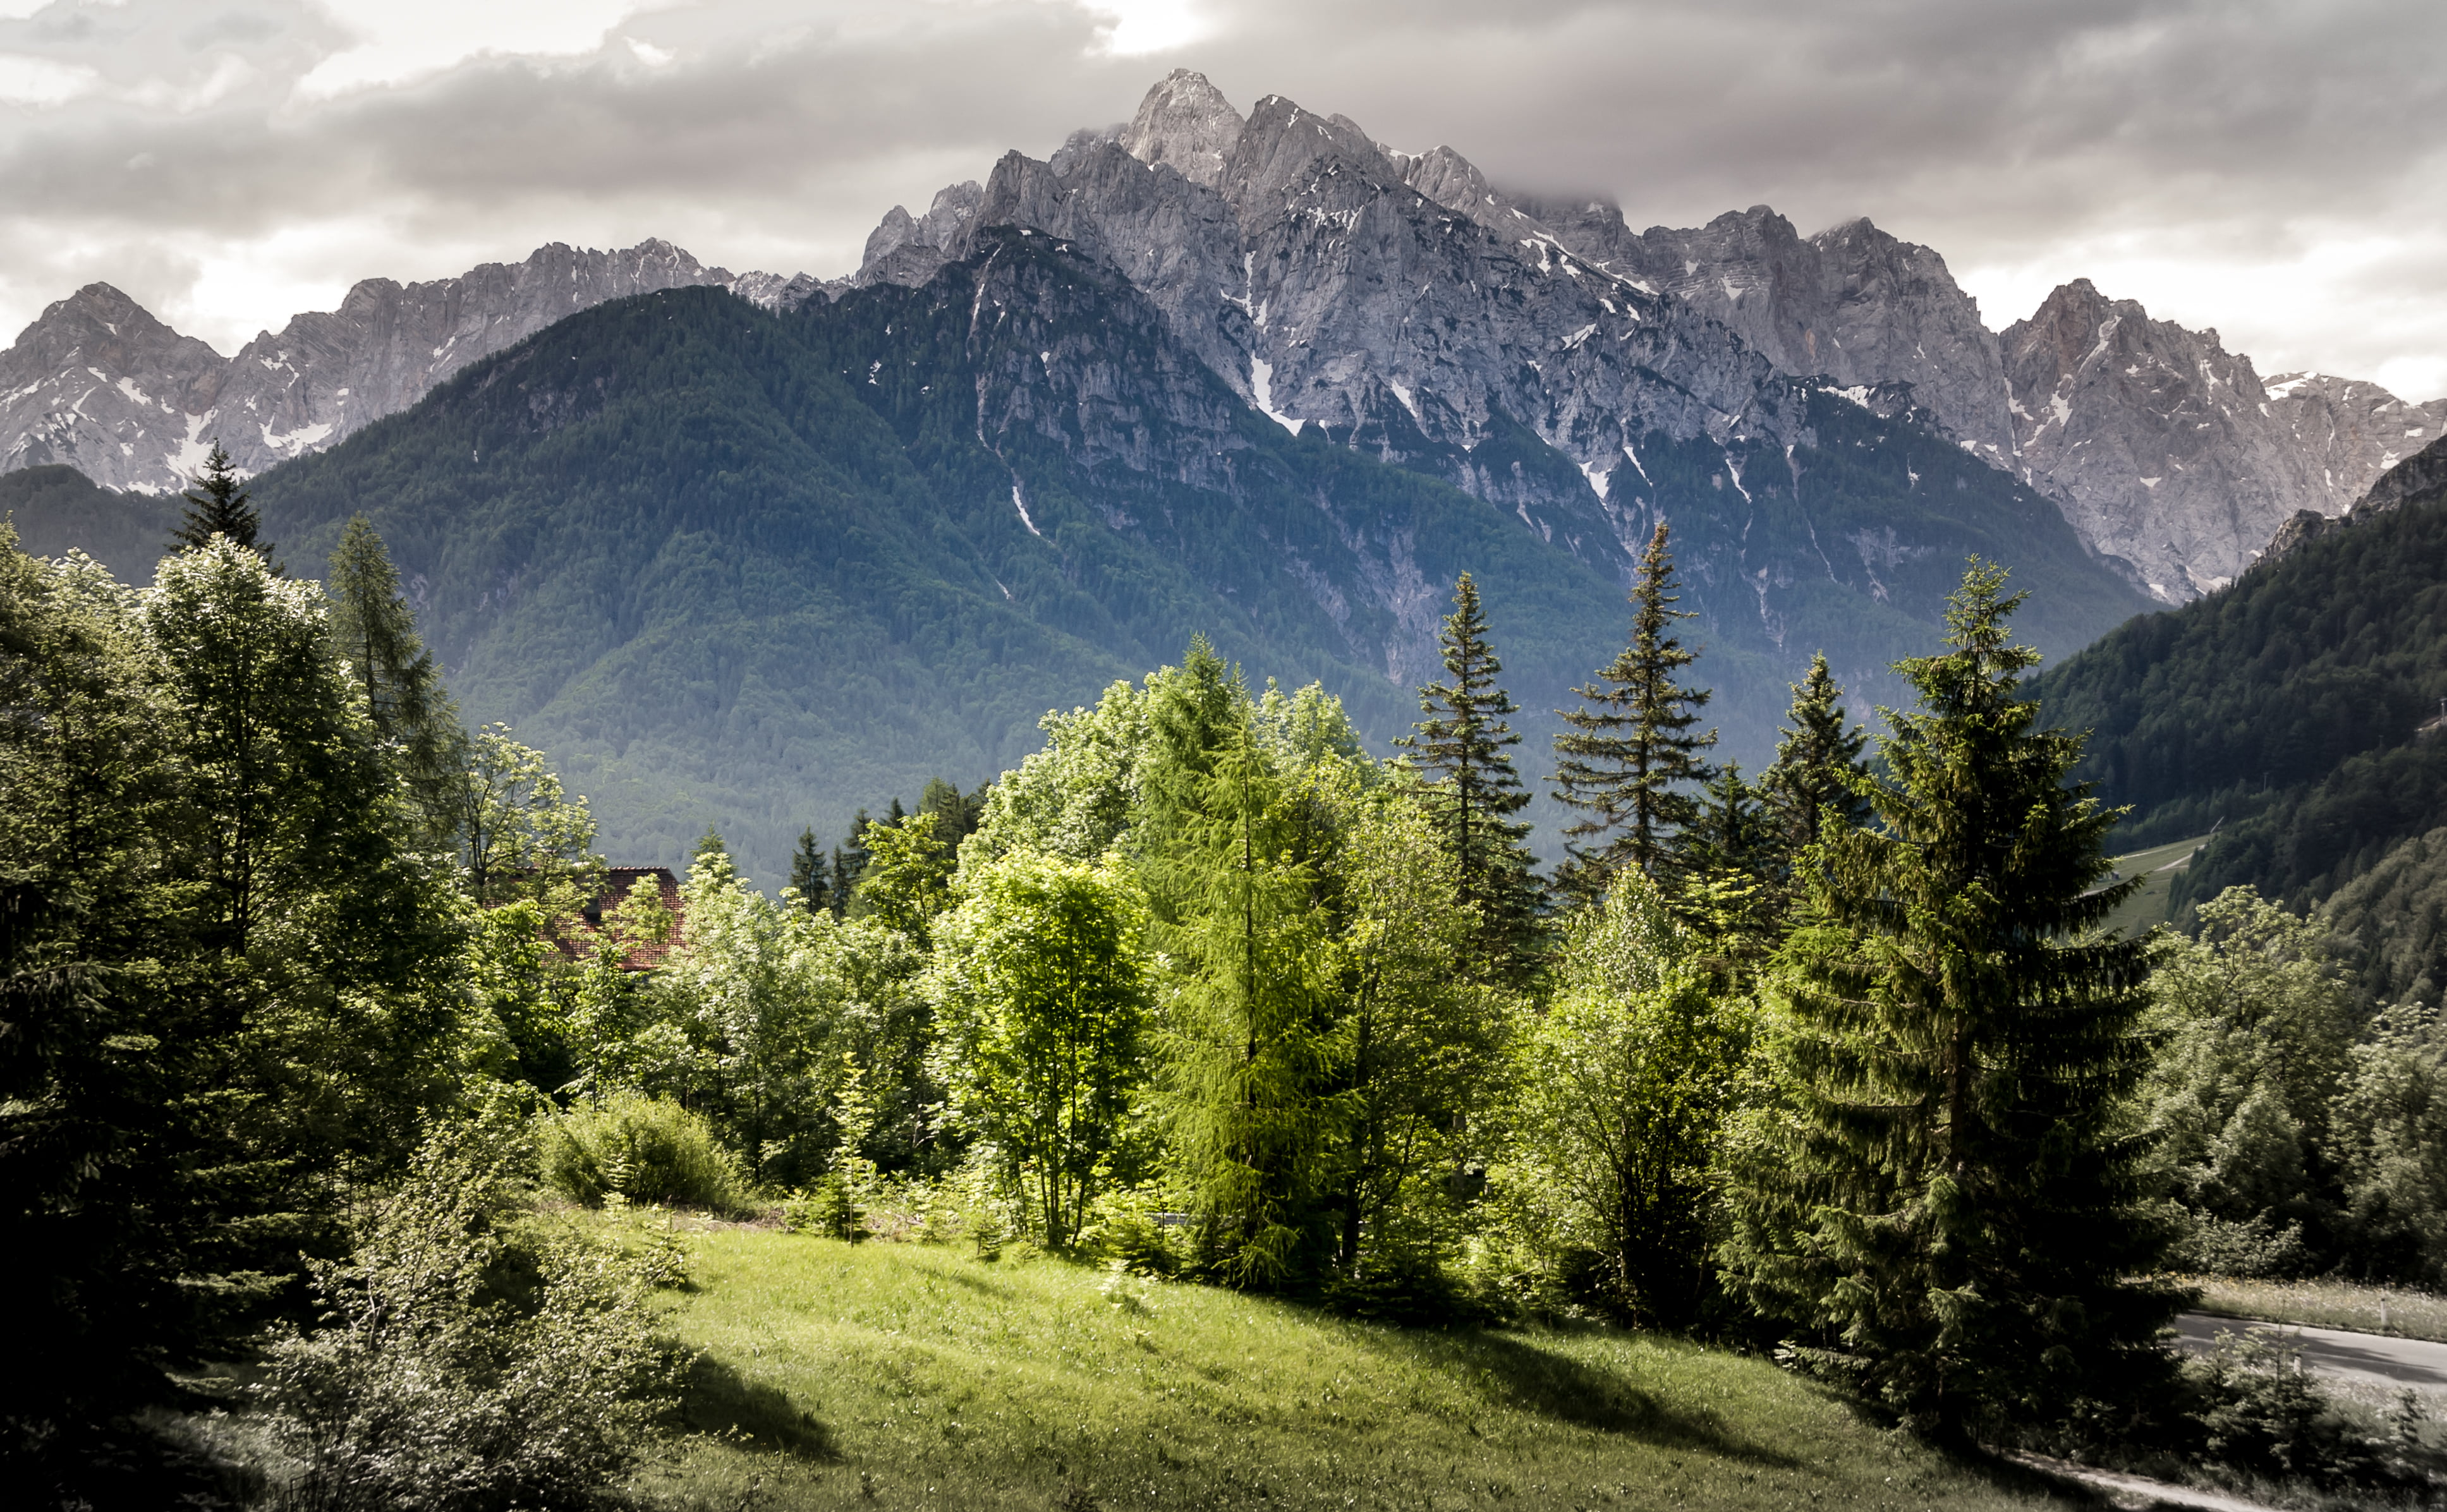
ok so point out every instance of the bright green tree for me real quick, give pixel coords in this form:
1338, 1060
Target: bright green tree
1631, 751
1044, 1004
2254, 1018
1231, 856
519, 835
757, 990
1423, 1036
907, 879
1944, 1207
1462, 750
1626, 1082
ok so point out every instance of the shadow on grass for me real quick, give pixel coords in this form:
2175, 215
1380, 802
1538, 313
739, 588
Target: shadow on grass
716, 1399
1517, 1372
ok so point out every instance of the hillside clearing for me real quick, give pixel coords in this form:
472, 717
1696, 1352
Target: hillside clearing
916, 1377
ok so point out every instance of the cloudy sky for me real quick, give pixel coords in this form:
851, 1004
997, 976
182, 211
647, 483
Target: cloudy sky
2274, 168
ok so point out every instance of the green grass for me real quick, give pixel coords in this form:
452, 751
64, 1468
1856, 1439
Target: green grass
904, 1375
2328, 1305
2147, 904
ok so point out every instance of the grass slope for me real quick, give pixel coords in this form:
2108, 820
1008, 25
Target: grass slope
902, 1376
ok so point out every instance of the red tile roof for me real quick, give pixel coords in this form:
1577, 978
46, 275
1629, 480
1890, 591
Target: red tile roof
577, 941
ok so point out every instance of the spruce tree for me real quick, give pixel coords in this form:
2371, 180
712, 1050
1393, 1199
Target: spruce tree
1817, 764
373, 632
1947, 1207
849, 864
1631, 750
810, 875
217, 505
1472, 789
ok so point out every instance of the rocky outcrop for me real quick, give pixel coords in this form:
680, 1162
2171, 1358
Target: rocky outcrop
2349, 432
100, 385
2161, 443
2421, 478
1851, 303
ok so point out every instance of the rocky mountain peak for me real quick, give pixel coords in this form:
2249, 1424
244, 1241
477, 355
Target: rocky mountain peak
1187, 122
2162, 442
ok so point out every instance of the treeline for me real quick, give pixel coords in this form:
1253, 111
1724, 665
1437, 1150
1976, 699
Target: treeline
304, 987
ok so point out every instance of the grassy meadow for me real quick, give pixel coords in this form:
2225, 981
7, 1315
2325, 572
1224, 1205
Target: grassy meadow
909, 1375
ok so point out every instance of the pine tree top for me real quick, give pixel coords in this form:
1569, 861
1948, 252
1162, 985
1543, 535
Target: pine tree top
217, 505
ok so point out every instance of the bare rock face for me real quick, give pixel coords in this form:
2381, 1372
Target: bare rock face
2350, 433
1393, 301
1187, 123
1852, 304
99, 383
2162, 443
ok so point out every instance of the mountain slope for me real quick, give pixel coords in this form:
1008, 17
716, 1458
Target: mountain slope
2299, 706
758, 570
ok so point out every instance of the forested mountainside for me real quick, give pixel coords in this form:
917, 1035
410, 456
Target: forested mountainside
2301, 711
57, 509
756, 571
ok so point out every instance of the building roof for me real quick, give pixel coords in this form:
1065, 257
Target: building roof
576, 941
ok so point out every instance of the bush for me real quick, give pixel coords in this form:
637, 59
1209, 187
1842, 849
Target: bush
456, 1371
643, 1149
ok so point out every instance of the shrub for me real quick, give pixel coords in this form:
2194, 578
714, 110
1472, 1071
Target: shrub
644, 1149
453, 1372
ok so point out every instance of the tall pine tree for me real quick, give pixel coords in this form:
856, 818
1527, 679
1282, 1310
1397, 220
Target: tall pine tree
217, 505
810, 875
1631, 751
1472, 791
1817, 764
1947, 1207
373, 632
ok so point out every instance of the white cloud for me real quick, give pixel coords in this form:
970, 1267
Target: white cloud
1134, 28
399, 44
41, 82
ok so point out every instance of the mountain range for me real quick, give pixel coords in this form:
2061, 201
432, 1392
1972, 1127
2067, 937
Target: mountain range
1304, 262
756, 549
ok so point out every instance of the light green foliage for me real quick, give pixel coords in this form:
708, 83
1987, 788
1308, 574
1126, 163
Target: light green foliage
759, 992
1423, 1036
1308, 728
1043, 1004
1252, 1043
519, 834
1943, 1206
642, 1149
1072, 797
2391, 1135
925, 1376
2256, 1020
443, 1378
907, 879
1624, 1083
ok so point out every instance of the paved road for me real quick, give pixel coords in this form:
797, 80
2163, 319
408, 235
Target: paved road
2372, 1358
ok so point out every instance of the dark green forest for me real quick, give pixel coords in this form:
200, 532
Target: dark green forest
2299, 711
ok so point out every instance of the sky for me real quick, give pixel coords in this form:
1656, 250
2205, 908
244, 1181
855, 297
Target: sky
2274, 169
